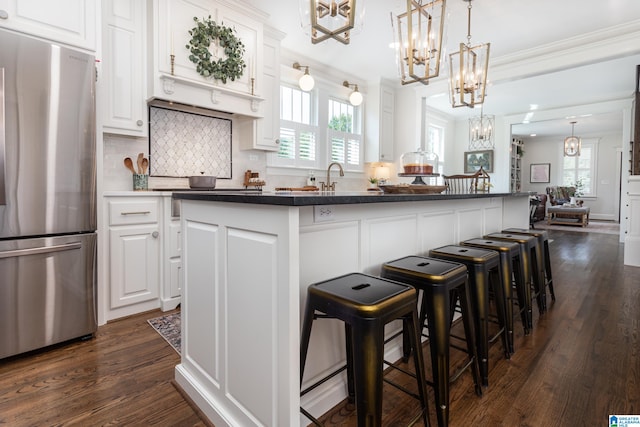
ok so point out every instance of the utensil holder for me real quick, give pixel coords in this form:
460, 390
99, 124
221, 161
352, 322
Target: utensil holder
140, 182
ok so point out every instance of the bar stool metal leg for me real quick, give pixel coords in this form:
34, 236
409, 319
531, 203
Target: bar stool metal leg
365, 304
441, 283
543, 243
480, 263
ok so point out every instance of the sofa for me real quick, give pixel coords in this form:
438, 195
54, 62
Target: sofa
559, 195
539, 207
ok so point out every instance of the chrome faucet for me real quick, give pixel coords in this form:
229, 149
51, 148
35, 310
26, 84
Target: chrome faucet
328, 185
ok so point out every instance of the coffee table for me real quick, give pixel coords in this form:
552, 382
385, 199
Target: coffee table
568, 215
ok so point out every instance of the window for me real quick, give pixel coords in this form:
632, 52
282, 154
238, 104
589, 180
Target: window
311, 138
582, 168
298, 135
345, 143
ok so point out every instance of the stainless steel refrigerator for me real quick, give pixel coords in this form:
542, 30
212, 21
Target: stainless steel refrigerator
47, 194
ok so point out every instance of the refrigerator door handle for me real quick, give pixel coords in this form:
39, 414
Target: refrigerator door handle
3, 194
40, 250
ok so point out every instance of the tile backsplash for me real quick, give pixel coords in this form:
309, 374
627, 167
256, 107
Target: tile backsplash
184, 144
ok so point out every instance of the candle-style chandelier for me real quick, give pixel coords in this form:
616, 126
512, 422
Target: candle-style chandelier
331, 19
572, 144
481, 132
468, 71
418, 40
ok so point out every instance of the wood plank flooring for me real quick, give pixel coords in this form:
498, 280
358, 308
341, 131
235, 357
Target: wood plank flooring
580, 364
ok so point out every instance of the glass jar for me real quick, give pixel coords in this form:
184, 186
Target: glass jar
419, 162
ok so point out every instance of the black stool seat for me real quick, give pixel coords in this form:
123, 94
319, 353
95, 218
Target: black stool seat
530, 265
484, 272
365, 304
509, 253
543, 253
441, 283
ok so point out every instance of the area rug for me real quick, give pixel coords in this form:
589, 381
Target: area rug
601, 227
168, 326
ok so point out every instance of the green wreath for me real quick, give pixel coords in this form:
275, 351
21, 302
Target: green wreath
202, 35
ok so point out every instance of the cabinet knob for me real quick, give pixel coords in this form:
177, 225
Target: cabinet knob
139, 122
278, 141
4, 14
155, 234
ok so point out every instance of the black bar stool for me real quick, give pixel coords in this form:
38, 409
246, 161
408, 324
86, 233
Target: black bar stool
530, 264
365, 304
543, 253
484, 272
442, 283
511, 270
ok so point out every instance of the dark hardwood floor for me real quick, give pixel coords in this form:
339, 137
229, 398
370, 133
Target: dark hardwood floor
121, 377
580, 364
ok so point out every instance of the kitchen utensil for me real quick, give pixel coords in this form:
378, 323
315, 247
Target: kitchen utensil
129, 164
139, 162
145, 165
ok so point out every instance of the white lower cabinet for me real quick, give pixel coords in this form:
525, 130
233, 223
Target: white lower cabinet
143, 271
134, 251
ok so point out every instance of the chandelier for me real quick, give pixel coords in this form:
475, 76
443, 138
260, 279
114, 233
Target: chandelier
418, 40
572, 144
330, 19
468, 71
481, 132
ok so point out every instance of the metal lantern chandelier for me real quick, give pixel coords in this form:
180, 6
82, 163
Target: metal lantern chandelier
418, 40
331, 19
572, 144
468, 71
481, 132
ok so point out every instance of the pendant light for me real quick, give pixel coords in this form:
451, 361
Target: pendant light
572, 144
331, 19
418, 40
468, 71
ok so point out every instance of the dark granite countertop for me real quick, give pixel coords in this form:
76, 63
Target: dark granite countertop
306, 198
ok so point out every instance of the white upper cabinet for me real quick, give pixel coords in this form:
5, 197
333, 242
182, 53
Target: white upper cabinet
179, 81
379, 123
72, 22
124, 67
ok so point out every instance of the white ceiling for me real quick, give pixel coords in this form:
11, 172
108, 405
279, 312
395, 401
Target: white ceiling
511, 27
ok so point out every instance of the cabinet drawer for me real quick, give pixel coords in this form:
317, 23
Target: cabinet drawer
126, 212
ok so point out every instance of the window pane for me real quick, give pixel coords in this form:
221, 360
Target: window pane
337, 149
353, 152
287, 148
340, 116
307, 146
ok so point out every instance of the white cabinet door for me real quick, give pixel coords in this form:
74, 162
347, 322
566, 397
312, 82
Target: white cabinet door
72, 22
379, 124
387, 111
175, 262
264, 134
134, 256
124, 67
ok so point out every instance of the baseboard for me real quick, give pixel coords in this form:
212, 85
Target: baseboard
201, 399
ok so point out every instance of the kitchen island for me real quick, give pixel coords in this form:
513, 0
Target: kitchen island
248, 260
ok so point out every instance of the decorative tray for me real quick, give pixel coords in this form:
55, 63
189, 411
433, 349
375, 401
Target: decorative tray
413, 189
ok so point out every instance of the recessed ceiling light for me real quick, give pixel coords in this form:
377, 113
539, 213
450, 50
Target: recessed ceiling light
533, 107
534, 134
